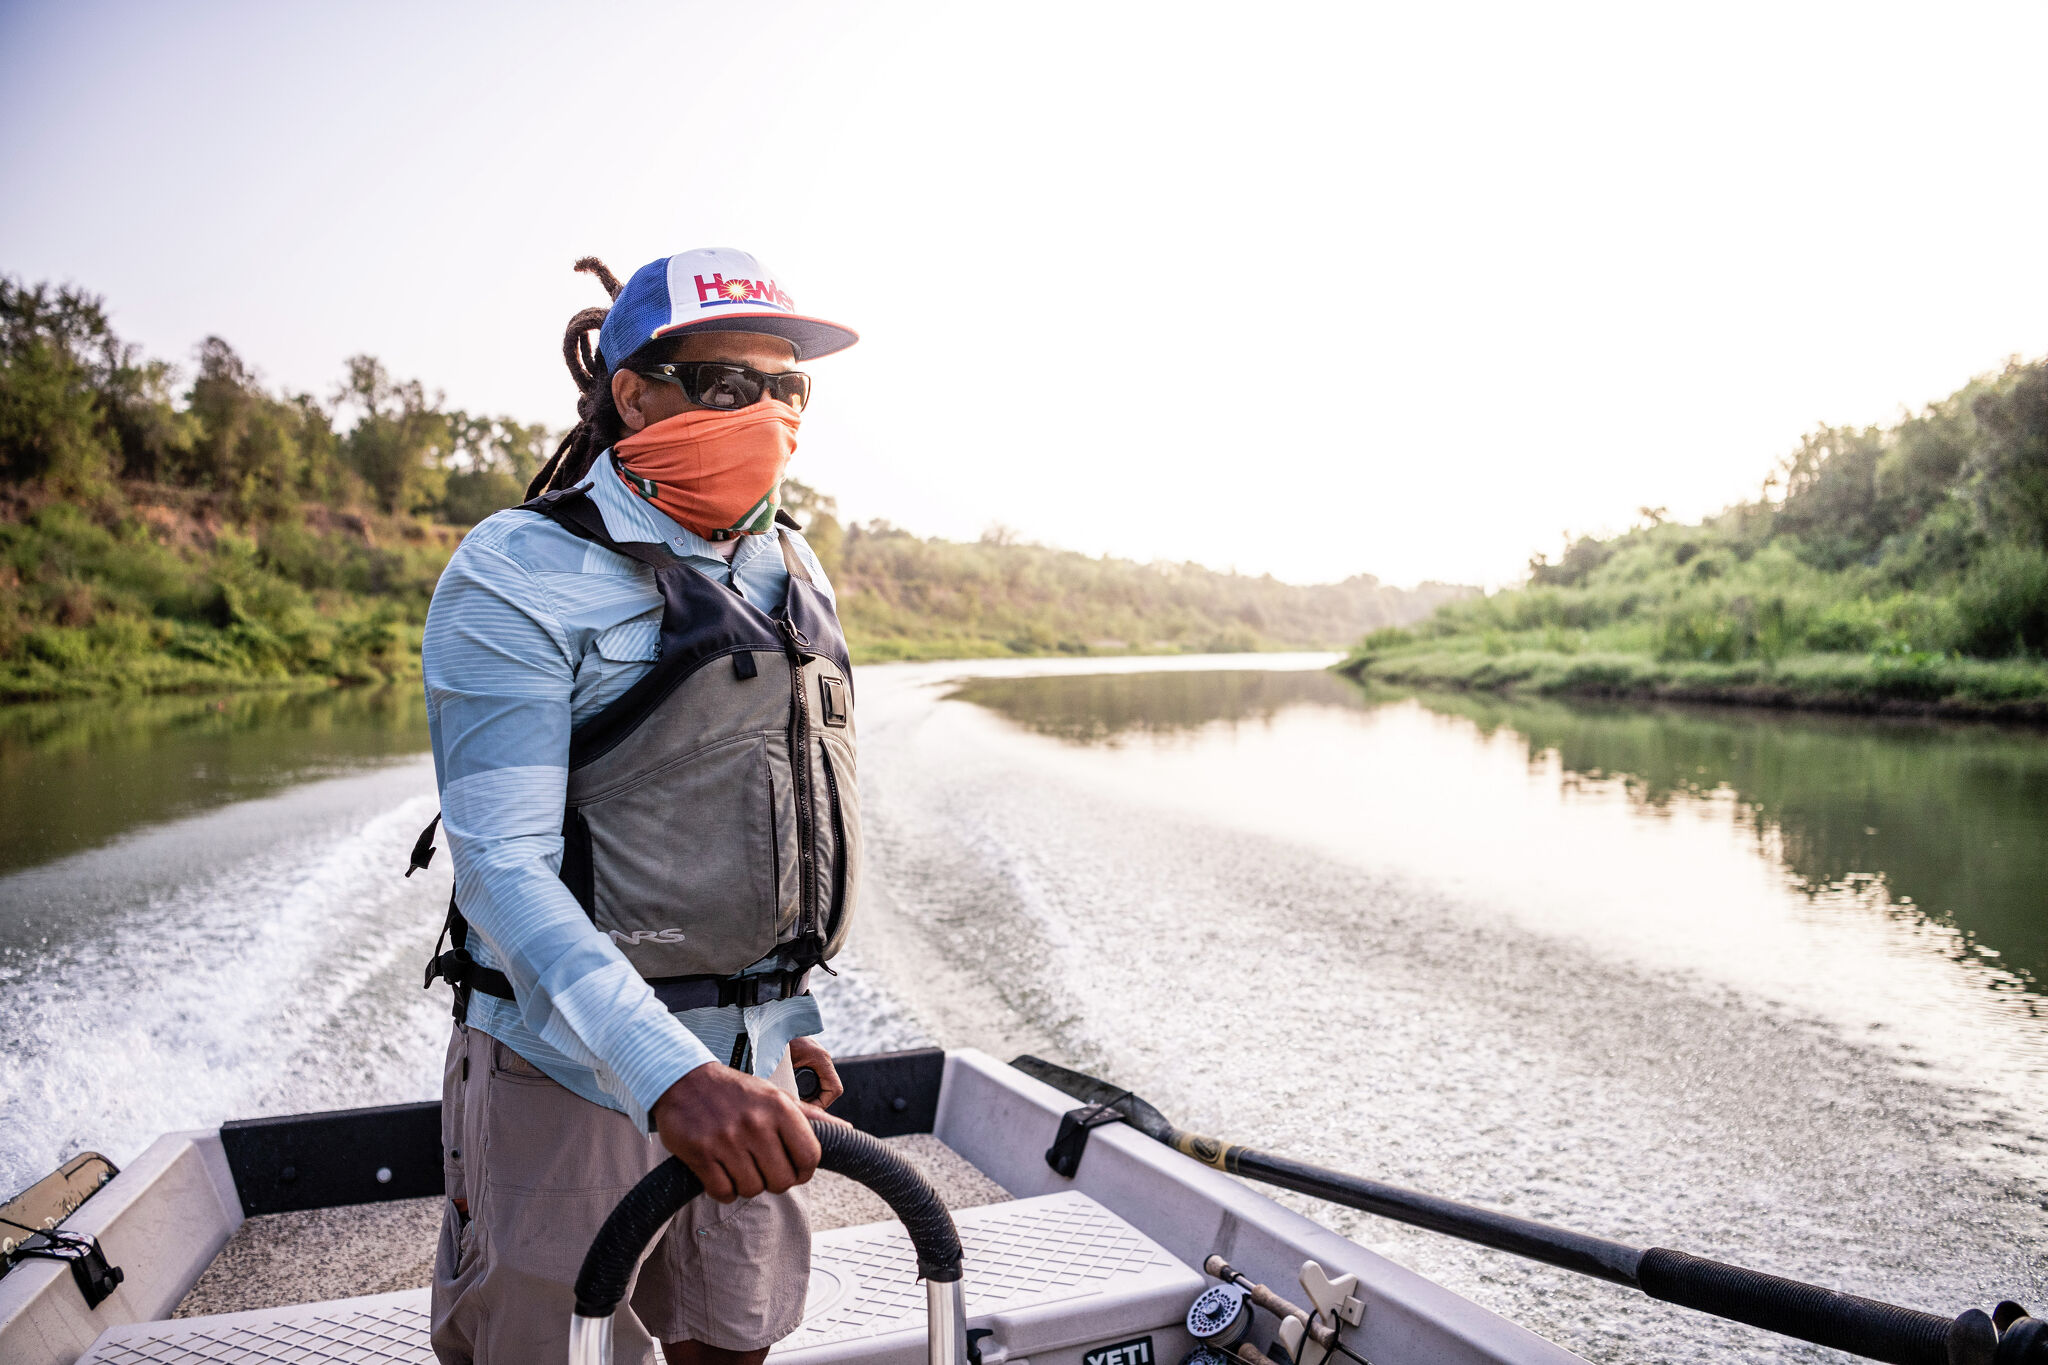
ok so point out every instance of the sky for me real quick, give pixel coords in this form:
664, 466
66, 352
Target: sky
1294, 289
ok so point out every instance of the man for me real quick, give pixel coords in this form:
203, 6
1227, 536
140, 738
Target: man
641, 712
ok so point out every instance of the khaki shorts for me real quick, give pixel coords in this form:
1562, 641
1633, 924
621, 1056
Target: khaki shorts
541, 1168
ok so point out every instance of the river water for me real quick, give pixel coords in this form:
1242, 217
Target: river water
1762, 987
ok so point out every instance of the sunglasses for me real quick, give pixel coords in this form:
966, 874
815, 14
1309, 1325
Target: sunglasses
723, 385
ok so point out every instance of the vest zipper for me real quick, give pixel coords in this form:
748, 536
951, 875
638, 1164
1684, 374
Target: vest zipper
838, 836
793, 642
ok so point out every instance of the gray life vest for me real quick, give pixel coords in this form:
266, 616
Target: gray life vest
712, 819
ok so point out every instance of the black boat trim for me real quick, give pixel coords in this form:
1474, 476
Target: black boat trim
371, 1156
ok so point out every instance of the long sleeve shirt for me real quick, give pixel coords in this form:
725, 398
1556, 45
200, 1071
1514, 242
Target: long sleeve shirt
533, 630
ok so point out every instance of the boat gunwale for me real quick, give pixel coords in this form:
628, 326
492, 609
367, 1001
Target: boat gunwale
206, 1182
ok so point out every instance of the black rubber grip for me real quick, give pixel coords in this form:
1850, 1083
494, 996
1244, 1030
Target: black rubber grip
661, 1194
1864, 1327
909, 1196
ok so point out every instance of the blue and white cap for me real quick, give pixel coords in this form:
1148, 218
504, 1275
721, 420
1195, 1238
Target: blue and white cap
712, 289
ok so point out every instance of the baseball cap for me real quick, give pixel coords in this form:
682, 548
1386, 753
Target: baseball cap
712, 289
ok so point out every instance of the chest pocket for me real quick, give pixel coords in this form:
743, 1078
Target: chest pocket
616, 660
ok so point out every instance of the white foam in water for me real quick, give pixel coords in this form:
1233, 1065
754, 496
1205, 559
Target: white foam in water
272, 983
264, 958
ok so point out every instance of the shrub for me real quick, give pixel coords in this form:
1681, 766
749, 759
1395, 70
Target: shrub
1845, 628
1701, 636
59, 646
2002, 606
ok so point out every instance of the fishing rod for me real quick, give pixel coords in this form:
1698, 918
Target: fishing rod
1866, 1327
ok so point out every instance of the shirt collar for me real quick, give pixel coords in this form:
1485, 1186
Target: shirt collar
628, 516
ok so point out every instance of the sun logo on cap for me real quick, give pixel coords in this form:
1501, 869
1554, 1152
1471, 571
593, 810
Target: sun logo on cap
738, 290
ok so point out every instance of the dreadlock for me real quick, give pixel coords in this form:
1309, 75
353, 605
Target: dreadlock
598, 424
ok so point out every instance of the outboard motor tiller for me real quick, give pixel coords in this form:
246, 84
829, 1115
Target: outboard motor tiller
648, 1206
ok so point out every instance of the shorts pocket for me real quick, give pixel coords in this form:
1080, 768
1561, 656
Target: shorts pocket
507, 1065
545, 1144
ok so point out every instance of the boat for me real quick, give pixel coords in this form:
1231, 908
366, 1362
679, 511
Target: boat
1085, 1236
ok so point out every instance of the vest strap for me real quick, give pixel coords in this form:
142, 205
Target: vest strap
699, 992
676, 993
573, 511
465, 974
794, 560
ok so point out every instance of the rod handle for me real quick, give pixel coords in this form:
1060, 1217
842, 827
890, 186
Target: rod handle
1220, 1269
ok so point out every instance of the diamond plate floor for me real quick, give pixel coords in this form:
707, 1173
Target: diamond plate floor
1023, 1255
382, 1329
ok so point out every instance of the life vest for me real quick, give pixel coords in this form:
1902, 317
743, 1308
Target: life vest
712, 818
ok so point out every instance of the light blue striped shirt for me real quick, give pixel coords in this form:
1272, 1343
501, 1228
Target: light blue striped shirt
532, 631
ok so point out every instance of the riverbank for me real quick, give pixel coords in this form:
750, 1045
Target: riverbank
153, 589
229, 537
1902, 570
2011, 690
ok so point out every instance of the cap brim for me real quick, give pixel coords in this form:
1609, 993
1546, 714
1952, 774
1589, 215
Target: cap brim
812, 337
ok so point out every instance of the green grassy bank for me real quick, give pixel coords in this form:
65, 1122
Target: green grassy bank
167, 530
1909, 685
1883, 569
153, 589
156, 589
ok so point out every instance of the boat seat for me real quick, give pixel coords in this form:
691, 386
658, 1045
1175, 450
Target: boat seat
1058, 1278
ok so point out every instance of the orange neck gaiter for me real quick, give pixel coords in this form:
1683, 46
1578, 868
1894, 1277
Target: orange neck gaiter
718, 473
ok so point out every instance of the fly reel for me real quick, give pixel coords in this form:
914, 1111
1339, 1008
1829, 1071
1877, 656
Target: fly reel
1220, 1318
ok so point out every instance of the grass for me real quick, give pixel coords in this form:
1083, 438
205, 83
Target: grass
158, 593
158, 589
1914, 682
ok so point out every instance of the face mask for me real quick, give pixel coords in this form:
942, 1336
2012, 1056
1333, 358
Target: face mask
718, 473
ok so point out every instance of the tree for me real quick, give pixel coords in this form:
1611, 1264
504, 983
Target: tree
490, 461
819, 514
1574, 566
400, 438
78, 404
2009, 471
1831, 500
52, 424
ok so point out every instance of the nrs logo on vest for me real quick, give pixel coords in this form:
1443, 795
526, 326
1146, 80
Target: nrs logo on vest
639, 936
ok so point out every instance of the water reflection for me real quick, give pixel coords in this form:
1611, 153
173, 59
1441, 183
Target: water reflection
1942, 821
1951, 820
1111, 708
75, 775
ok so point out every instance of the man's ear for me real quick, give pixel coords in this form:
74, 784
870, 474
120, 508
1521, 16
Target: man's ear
628, 389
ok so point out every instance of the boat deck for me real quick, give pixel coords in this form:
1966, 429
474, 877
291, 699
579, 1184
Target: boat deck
310, 1237
1051, 1275
318, 1255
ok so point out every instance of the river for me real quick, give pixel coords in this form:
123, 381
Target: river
1764, 987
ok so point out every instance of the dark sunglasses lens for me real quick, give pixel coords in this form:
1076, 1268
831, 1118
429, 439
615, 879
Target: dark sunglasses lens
793, 389
726, 387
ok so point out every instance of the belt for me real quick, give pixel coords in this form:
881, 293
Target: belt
697, 992
676, 993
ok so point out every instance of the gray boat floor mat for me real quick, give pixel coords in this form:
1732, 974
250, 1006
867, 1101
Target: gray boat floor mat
1053, 1273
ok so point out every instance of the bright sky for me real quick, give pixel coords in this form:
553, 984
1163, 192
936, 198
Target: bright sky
1308, 290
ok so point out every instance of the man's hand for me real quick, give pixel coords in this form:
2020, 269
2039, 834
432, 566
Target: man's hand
739, 1134
806, 1052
